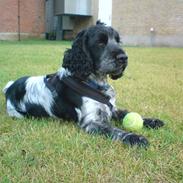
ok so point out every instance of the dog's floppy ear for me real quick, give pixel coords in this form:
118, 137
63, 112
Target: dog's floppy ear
77, 59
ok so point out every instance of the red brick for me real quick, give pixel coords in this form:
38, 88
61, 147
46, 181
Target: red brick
32, 17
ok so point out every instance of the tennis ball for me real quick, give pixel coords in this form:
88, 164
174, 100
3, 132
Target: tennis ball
132, 121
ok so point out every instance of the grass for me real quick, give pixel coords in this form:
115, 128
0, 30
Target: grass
50, 150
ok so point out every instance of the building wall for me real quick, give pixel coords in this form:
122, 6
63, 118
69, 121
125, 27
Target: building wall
32, 19
134, 19
142, 22
83, 22
68, 25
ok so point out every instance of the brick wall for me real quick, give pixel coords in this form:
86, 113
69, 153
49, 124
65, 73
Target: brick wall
32, 19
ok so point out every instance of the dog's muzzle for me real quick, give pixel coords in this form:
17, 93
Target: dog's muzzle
122, 60
121, 64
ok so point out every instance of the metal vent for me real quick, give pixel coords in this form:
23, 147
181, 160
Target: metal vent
72, 7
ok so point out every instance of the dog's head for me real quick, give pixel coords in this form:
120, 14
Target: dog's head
96, 50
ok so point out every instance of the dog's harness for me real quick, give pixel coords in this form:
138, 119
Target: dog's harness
79, 86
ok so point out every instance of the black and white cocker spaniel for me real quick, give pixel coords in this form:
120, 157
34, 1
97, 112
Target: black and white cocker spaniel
79, 91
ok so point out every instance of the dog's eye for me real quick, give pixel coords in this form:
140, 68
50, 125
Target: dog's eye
103, 39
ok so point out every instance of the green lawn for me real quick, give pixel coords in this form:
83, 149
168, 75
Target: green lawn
50, 150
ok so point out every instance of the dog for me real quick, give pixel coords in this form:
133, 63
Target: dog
79, 90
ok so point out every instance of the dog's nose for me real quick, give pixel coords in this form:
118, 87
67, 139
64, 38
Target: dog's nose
122, 57
119, 55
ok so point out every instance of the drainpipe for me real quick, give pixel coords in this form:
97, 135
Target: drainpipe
18, 20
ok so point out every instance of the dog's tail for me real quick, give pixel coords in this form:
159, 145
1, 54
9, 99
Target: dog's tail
7, 86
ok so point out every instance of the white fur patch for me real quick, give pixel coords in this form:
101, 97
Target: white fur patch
79, 114
112, 95
38, 93
62, 72
12, 111
91, 110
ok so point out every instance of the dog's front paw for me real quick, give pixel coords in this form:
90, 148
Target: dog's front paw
153, 123
133, 139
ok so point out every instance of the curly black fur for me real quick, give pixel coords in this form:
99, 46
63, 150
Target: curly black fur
77, 59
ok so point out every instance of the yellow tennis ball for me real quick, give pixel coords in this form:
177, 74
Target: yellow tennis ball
132, 121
